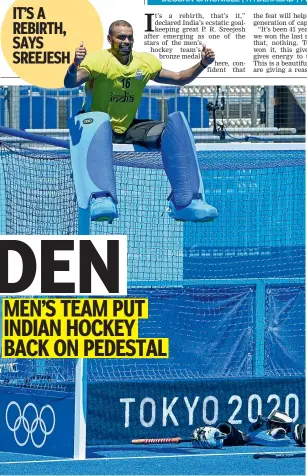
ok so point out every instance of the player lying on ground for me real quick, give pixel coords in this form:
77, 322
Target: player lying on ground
115, 80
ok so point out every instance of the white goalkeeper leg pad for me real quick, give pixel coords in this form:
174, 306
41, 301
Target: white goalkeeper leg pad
275, 437
187, 200
92, 163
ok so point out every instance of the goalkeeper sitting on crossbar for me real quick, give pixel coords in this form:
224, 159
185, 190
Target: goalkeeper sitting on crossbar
115, 80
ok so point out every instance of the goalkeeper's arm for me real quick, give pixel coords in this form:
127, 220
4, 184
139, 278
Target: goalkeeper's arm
76, 76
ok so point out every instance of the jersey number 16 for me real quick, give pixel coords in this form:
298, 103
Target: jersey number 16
126, 83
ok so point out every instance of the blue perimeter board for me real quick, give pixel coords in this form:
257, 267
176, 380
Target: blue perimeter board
155, 409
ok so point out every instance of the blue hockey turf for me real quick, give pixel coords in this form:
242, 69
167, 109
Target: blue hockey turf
157, 460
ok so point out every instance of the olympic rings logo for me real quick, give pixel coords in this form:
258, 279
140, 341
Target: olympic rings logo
22, 422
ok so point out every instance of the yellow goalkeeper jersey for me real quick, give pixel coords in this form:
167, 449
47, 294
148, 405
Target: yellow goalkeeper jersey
117, 89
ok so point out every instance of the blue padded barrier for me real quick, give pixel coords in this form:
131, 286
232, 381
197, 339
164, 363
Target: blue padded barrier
36, 103
165, 90
149, 109
65, 92
34, 90
193, 107
29, 90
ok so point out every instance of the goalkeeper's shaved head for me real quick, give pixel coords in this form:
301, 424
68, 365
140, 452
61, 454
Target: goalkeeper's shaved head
118, 23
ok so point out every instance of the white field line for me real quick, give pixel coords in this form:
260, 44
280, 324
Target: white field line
61, 460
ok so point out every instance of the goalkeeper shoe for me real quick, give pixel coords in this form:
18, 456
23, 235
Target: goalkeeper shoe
197, 211
235, 437
207, 437
299, 434
102, 208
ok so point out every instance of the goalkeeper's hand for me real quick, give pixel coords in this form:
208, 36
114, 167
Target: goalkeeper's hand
80, 54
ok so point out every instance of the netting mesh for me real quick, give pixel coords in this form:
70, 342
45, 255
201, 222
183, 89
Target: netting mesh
202, 280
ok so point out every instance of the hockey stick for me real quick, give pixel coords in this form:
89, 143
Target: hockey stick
280, 455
